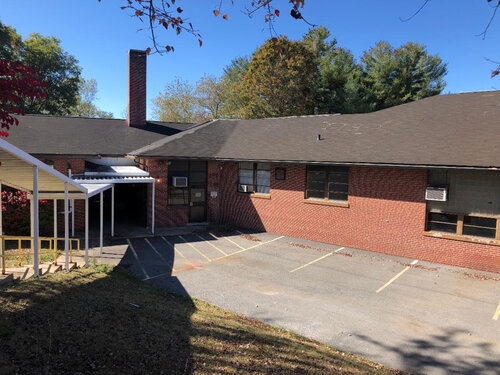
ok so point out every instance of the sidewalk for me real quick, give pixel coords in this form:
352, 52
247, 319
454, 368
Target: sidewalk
113, 250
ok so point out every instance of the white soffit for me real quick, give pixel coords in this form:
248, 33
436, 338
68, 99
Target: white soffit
16, 170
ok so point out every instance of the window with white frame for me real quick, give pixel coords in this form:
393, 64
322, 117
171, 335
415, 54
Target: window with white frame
254, 177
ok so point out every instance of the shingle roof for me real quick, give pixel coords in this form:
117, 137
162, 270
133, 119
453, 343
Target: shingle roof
461, 130
78, 136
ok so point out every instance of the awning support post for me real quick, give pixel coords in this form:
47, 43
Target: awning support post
101, 217
153, 208
86, 231
35, 223
66, 226
113, 210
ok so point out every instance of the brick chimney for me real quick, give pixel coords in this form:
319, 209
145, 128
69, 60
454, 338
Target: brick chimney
136, 88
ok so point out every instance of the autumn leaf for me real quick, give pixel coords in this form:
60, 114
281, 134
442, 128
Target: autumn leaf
216, 13
179, 10
225, 16
200, 42
139, 13
277, 13
148, 51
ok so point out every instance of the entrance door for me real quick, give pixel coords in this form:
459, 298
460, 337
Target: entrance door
197, 191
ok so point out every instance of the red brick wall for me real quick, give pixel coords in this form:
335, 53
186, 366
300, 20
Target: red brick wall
386, 214
76, 166
165, 215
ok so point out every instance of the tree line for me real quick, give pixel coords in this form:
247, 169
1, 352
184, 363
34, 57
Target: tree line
310, 76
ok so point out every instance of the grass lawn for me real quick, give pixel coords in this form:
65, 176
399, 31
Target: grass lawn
104, 321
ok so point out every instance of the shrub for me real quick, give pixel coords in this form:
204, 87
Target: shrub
16, 214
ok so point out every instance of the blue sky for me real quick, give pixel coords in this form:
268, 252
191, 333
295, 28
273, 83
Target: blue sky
99, 35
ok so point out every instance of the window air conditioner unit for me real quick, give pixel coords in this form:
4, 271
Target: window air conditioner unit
246, 188
439, 194
180, 181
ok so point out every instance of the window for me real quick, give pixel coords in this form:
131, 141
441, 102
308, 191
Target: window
471, 208
440, 222
178, 195
254, 178
187, 181
479, 226
466, 225
327, 182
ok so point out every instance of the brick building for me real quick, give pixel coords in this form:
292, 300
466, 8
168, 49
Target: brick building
419, 180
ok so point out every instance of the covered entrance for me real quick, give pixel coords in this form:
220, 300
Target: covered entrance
21, 171
125, 204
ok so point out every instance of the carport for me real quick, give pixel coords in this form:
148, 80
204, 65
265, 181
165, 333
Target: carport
22, 171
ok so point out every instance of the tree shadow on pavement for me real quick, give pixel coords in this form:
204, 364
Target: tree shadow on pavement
450, 351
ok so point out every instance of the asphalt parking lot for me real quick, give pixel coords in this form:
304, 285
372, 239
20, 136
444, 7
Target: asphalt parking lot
408, 314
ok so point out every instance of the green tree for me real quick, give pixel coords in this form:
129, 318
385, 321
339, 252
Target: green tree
281, 80
210, 95
339, 87
232, 85
58, 69
85, 107
179, 103
397, 76
10, 43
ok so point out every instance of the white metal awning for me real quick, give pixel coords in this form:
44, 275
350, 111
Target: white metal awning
103, 177
119, 174
22, 171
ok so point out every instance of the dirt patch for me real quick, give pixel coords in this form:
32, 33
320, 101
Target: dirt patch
418, 266
304, 246
477, 276
249, 237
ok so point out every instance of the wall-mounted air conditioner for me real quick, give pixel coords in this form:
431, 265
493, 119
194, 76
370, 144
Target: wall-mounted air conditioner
245, 188
435, 193
180, 181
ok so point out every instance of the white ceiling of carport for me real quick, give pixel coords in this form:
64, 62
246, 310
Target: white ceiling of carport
16, 170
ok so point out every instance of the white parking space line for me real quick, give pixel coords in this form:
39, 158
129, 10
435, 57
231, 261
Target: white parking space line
195, 249
497, 313
396, 277
160, 255
251, 247
234, 243
211, 244
316, 260
137, 258
176, 250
